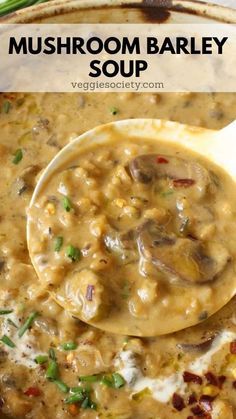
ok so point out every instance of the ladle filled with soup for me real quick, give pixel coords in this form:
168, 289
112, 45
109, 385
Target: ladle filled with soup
126, 230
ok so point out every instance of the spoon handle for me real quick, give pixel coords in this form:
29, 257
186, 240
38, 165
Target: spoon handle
229, 131
223, 148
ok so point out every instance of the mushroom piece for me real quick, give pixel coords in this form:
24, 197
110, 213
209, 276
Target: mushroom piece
122, 245
26, 180
84, 293
150, 167
182, 258
202, 346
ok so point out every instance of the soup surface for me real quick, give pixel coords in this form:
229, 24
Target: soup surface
54, 365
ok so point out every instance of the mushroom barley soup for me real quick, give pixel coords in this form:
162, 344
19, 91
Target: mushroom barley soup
126, 232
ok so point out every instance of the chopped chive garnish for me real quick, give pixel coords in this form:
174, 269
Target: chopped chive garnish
52, 354
12, 323
79, 396
28, 323
52, 371
66, 203
18, 156
78, 390
114, 380
114, 110
2, 312
69, 346
90, 378
85, 404
107, 381
62, 386
88, 404
73, 253
118, 380
41, 359
6, 106
58, 243
5, 339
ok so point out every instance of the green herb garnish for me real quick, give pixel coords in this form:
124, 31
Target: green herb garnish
7, 341
6, 106
77, 390
66, 203
52, 354
107, 381
73, 253
78, 396
2, 312
82, 396
28, 323
69, 346
18, 156
61, 385
11, 6
41, 359
58, 243
88, 404
52, 372
114, 110
114, 380
118, 380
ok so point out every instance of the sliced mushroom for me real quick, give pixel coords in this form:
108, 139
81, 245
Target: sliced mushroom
183, 258
202, 346
122, 245
150, 167
26, 180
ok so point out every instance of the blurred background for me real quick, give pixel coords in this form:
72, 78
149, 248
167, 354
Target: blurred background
9, 6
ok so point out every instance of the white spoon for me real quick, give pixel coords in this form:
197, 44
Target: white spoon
217, 146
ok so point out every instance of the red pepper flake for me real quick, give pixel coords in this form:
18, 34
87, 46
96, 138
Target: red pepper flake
234, 384
197, 411
162, 160
89, 292
189, 377
32, 392
214, 380
233, 347
204, 416
183, 183
192, 399
205, 401
178, 402
221, 379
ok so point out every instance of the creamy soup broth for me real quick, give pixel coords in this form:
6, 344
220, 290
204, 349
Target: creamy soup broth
180, 375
